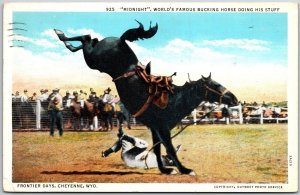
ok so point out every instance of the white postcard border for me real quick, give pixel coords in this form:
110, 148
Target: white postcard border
292, 185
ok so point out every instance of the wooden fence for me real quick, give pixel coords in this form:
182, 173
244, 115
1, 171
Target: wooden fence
34, 115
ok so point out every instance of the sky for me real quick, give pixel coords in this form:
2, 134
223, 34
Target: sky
245, 52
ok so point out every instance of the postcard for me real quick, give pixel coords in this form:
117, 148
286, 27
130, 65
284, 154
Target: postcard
150, 97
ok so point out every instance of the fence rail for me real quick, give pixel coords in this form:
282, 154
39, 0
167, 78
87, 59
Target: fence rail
236, 116
34, 115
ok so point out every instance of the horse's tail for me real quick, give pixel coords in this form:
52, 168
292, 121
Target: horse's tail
139, 33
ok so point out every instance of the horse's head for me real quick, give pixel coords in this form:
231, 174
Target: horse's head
215, 92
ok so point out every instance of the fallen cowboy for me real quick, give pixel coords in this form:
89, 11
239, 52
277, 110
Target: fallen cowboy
134, 152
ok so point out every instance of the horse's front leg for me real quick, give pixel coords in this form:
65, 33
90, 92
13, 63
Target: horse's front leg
91, 123
83, 39
74, 123
105, 119
110, 121
165, 136
157, 152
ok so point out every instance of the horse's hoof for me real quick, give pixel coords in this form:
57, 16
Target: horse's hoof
60, 35
192, 173
58, 31
188, 172
173, 172
168, 171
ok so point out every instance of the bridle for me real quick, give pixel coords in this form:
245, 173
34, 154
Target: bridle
221, 94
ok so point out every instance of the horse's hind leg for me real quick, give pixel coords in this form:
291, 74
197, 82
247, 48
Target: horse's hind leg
63, 37
110, 117
72, 48
77, 124
166, 140
157, 152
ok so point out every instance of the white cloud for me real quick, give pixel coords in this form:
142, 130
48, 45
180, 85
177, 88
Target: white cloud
44, 43
240, 75
247, 44
52, 69
50, 34
183, 56
178, 46
84, 31
245, 78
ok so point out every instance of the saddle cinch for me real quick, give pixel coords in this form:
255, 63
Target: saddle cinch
159, 88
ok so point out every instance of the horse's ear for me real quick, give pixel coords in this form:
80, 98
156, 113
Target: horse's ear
209, 77
148, 68
206, 78
202, 78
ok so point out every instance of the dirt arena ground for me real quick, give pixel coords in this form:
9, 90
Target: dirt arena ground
217, 153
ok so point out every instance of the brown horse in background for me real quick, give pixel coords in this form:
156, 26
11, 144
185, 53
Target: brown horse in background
87, 112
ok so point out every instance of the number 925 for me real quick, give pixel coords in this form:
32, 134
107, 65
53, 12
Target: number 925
110, 9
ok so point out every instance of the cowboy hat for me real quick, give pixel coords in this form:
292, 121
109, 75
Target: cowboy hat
107, 90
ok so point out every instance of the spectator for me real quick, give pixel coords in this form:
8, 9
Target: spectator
52, 94
81, 97
93, 96
67, 99
55, 108
77, 99
44, 95
67, 96
33, 97
108, 98
16, 97
91, 91
24, 97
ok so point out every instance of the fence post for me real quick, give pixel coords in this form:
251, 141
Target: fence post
133, 121
226, 118
195, 116
95, 120
241, 114
38, 114
261, 116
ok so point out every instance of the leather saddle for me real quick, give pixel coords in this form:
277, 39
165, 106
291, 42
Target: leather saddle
159, 86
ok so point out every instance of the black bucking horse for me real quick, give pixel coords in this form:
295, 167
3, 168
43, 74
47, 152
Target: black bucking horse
113, 56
